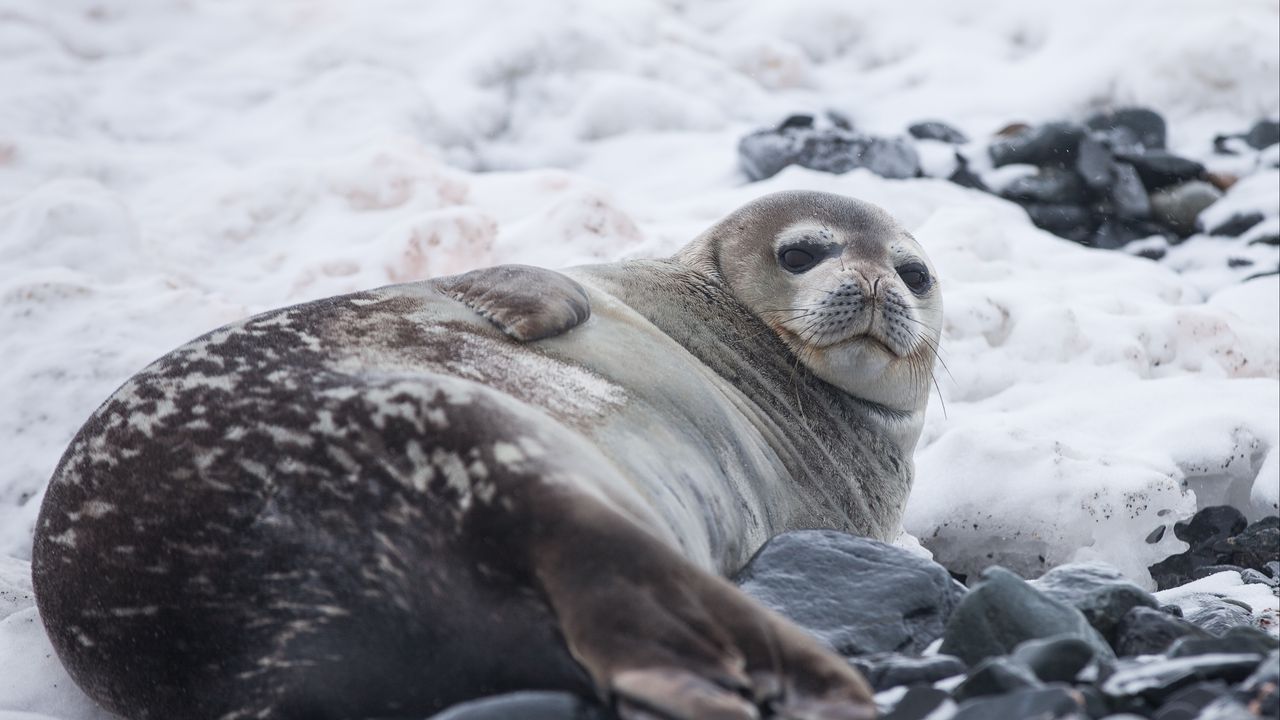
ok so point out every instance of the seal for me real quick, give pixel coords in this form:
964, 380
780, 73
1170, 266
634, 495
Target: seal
385, 503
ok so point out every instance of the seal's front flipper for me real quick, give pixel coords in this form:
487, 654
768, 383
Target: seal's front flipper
527, 303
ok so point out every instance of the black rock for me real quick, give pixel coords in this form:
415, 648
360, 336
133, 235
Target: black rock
995, 676
1187, 703
1205, 571
1157, 680
1179, 207
1143, 631
1127, 194
1116, 232
1049, 144
890, 670
831, 149
1053, 703
1161, 169
534, 705
859, 595
1237, 224
1272, 239
1098, 590
1002, 611
1049, 185
937, 130
1095, 165
1073, 222
1218, 615
1237, 262
1235, 640
1057, 659
1202, 532
1263, 134
796, 122
1146, 126
1095, 703
964, 177
920, 703
1254, 547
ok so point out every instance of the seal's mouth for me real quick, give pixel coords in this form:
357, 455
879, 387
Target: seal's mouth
870, 340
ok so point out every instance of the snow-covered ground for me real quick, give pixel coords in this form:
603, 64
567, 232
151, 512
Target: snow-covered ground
166, 167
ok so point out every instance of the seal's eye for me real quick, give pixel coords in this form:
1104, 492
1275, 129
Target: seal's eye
796, 260
916, 276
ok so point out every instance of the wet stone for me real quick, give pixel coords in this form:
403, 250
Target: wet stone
1263, 134
920, 703
1041, 704
1203, 532
1143, 631
1003, 611
1049, 185
1255, 546
1179, 207
820, 580
1156, 680
1095, 165
835, 149
1237, 224
1058, 659
1143, 125
1217, 616
1128, 195
1049, 144
1187, 703
937, 130
1098, 590
995, 676
890, 670
1073, 222
1160, 169
1236, 639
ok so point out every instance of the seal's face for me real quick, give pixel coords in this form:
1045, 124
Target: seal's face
844, 285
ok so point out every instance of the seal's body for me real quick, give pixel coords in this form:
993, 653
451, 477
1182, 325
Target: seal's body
388, 502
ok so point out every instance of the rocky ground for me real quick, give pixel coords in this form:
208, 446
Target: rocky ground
1080, 641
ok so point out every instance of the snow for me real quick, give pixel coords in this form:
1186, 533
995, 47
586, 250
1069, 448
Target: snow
169, 167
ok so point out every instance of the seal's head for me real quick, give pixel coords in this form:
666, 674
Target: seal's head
843, 284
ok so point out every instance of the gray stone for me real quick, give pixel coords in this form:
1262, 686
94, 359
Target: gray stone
890, 670
1096, 589
1263, 134
1237, 225
920, 703
1049, 144
1049, 185
937, 130
1128, 195
1145, 126
1218, 616
1179, 207
1160, 169
1052, 703
1003, 611
1236, 639
1073, 222
1155, 681
1056, 659
1143, 631
797, 141
996, 676
858, 595
1095, 165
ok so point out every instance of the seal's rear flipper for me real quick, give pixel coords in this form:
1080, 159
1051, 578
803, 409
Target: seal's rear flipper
527, 303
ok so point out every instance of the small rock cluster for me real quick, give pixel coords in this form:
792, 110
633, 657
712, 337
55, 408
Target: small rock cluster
1079, 642
1104, 182
1221, 540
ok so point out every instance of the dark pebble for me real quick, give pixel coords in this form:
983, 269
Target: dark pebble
995, 676
1143, 631
1236, 639
764, 153
1042, 704
1187, 703
1146, 126
1003, 611
1095, 165
1263, 134
1237, 224
1098, 590
796, 122
1272, 239
1157, 680
859, 595
1058, 659
1128, 195
1161, 169
964, 177
1116, 232
527, 706
1048, 144
920, 703
1073, 222
890, 670
1049, 185
937, 130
